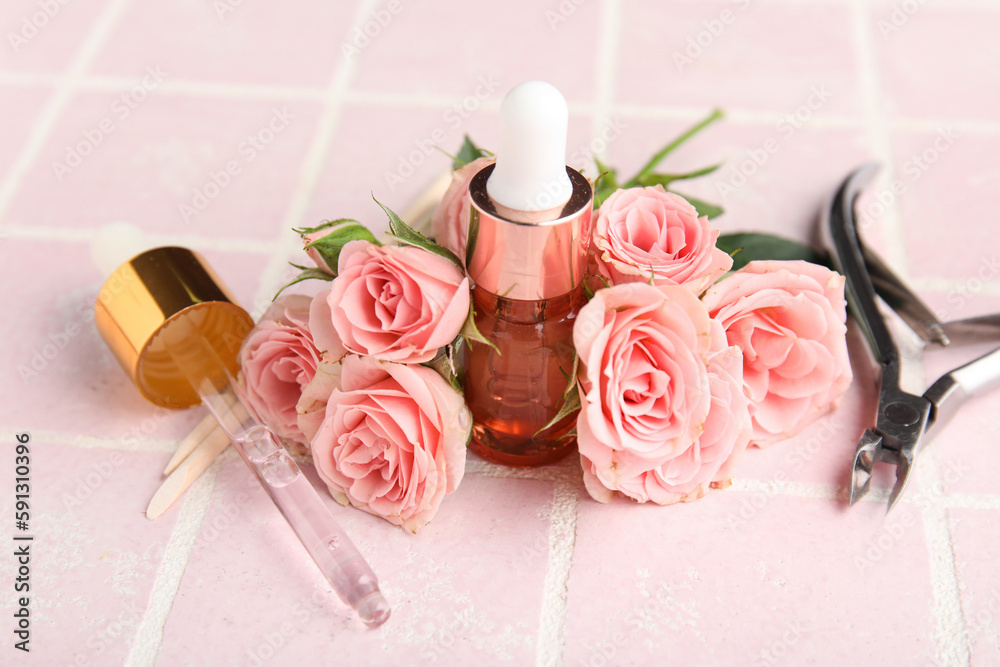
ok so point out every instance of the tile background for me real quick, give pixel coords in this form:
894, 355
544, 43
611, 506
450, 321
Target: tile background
124, 110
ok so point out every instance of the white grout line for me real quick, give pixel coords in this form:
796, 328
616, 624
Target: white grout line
951, 631
878, 129
50, 112
167, 582
551, 642
251, 91
607, 66
194, 241
122, 444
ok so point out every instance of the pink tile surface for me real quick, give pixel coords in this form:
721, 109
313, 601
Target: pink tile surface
20, 108
519, 567
976, 533
918, 81
449, 607
808, 59
695, 584
231, 42
94, 556
527, 40
204, 166
44, 37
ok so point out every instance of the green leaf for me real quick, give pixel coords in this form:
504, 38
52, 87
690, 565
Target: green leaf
403, 233
326, 224
748, 247
570, 404
606, 183
467, 153
329, 246
669, 148
571, 379
703, 207
307, 274
666, 179
470, 332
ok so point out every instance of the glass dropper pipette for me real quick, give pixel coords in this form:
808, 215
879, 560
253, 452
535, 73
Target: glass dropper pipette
176, 332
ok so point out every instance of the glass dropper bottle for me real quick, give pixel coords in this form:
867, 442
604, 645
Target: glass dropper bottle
529, 234
176, 332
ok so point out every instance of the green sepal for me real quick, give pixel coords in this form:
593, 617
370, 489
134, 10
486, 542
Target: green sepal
468, 153
571, 403
403, 233
605, 184
307, 274
470, 332
326, 224
329, 246
748, 247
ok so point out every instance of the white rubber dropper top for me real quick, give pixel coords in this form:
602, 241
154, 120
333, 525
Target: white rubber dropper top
114, 244
530, 174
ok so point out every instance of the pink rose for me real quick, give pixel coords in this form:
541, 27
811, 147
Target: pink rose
311, 407
395, 303
649, 230
277, 360
393, 440
450, 222
647, 394
789, 319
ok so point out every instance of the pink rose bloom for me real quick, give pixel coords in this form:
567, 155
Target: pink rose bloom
789, 318
393, 440
450, 222
645, 389
712, 457
395, 303
277, 360
643, 230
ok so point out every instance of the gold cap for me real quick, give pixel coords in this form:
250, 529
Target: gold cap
529, 256
157, 299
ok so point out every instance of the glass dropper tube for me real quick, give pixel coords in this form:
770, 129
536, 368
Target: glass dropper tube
332, 550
